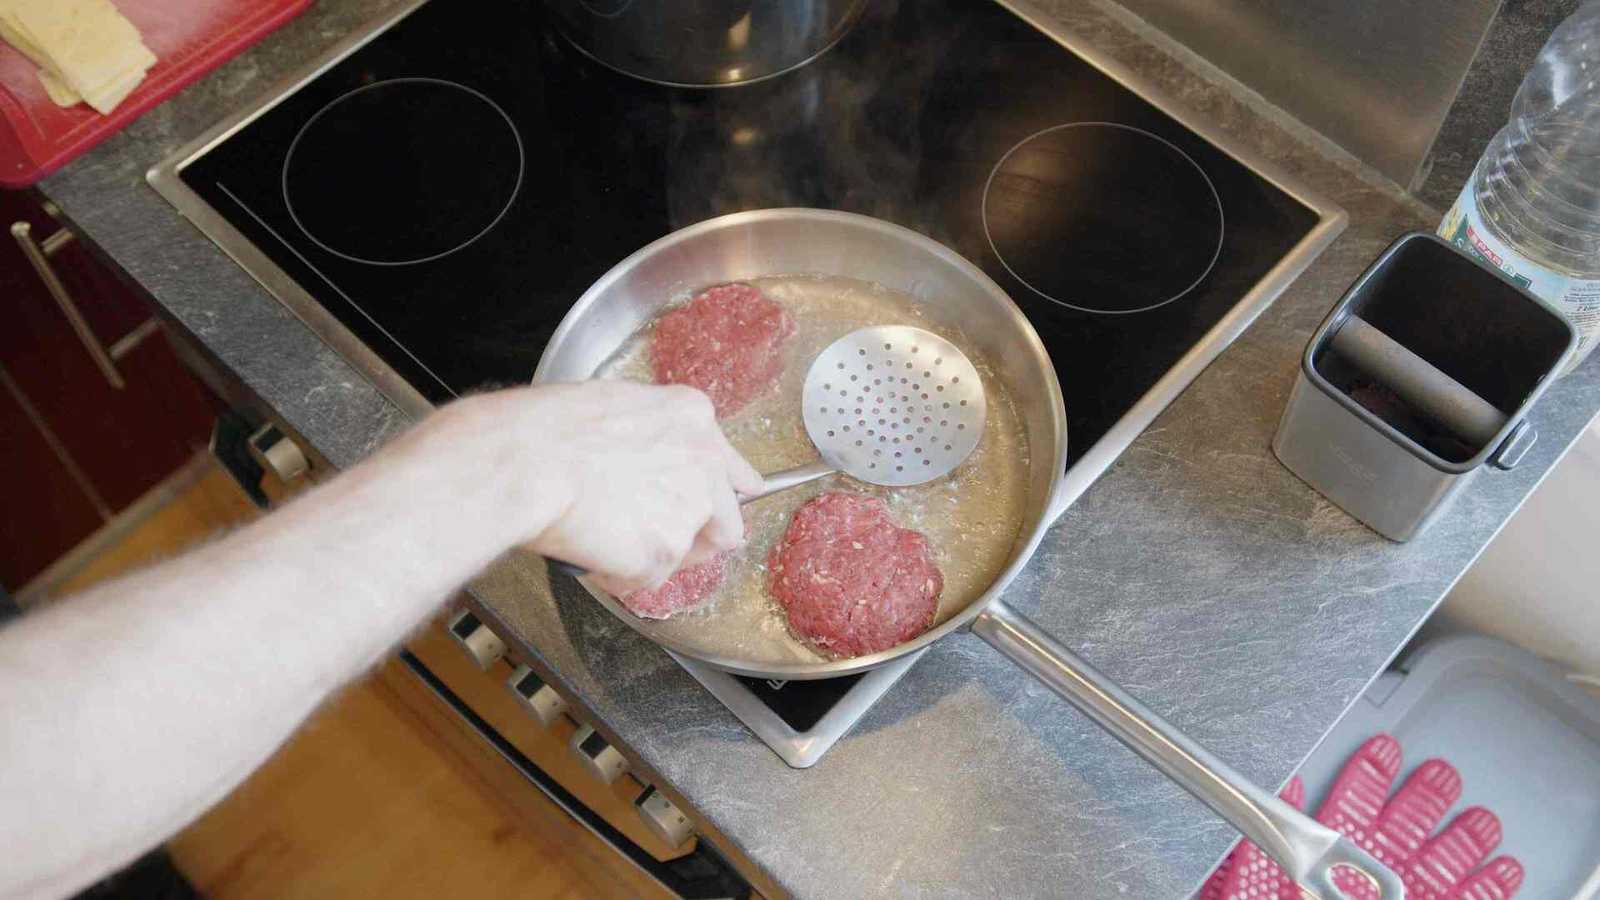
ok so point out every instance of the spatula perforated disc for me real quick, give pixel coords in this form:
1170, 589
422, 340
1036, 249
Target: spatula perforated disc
894, 405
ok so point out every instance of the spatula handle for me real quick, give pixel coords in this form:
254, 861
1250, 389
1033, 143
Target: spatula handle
789, 478
777, 481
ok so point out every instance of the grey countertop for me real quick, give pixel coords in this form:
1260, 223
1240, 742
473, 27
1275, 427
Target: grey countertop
1198, 571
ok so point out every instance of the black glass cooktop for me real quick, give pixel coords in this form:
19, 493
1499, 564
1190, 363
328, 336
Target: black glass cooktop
800, 704
450, 189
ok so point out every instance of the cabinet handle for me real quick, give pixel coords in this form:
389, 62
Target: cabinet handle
38, 255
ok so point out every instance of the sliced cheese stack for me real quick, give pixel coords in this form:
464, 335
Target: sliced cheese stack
86, 50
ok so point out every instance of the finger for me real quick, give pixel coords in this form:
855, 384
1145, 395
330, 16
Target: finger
644, 579
725, 529
618, 587
624, 569
706, 511
677, 544
743, 476
654, 558
1256, 876
1213, 886
1411, 815
1358, 794
689, 498
1353, 885
1216, 885
1232, 877
695, 405
617, 575
1445, 861
700, 552
1294, 793
1498, 880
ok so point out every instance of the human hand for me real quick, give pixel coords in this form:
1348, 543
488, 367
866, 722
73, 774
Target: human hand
1395, 830
629, 481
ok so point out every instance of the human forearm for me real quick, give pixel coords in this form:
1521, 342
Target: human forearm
130, 709
126, 711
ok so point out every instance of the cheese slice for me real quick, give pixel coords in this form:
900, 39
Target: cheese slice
85, 49
108, 97
59, 92
10, 34
87, 41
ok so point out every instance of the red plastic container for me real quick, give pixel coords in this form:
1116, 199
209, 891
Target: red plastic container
189, 39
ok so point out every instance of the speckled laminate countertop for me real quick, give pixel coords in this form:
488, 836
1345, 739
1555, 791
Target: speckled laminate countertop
1198, 572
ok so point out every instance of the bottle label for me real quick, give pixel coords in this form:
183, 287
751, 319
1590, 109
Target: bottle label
1578, 299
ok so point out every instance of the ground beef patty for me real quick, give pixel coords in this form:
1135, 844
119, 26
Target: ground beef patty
687, 589
851, 580
727, 342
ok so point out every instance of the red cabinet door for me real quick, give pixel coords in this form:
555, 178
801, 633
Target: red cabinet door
44, 511
123, 440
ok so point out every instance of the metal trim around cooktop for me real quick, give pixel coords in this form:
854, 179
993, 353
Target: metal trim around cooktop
799, 749
164, 177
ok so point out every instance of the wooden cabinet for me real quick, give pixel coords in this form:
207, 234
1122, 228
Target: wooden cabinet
74, 440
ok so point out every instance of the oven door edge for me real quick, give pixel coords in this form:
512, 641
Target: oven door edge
700, 875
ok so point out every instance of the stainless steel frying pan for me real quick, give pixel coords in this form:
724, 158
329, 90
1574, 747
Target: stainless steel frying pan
954, 294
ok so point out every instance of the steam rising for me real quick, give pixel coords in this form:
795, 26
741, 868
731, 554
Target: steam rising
825, 135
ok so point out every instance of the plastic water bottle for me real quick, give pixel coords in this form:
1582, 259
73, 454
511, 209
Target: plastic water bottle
1532, 205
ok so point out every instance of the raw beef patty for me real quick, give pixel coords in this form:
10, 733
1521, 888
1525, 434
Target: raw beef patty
851, 580
727, 341
687, 589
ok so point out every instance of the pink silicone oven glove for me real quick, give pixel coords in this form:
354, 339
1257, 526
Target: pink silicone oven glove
1395, 830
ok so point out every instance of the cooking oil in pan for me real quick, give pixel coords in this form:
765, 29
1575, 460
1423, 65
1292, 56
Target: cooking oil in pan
971, 517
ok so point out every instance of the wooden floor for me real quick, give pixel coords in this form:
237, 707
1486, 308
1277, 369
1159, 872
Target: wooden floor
364, 801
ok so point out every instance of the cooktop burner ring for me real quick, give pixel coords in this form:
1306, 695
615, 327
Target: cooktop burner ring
1202, 255
488, 109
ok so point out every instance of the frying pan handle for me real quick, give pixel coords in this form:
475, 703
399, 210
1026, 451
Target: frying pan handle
775, 482
1307, 850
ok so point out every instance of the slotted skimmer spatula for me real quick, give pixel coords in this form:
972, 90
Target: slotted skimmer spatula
890, 405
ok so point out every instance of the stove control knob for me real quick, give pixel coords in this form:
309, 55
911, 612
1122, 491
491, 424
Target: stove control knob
483, 645
276, 451
539, 698
602, 760
663, 818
